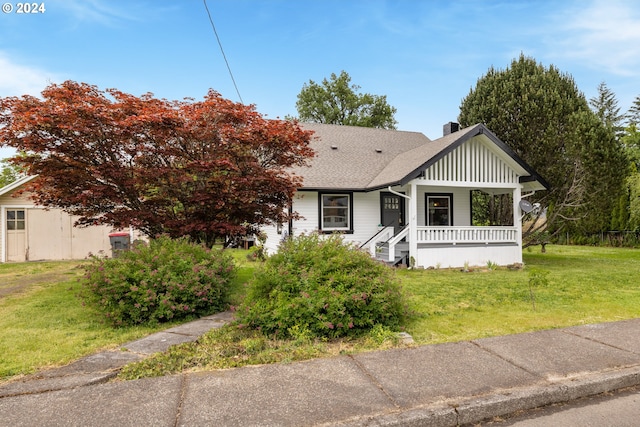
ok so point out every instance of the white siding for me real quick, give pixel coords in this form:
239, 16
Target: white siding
273, 238
305, 204
448, 256
366, 217
473, 163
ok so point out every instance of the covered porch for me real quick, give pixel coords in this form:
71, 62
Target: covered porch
436, 227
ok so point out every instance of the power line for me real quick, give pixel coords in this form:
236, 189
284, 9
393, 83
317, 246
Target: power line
222, 50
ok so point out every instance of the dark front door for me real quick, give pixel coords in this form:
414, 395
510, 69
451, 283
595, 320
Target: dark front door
392, 211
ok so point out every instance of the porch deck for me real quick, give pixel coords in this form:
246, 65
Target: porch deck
395, 248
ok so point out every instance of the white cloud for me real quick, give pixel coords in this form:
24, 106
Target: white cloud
16, 79
101, 12
603, 34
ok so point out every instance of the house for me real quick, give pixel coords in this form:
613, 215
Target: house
407, 199
31, 233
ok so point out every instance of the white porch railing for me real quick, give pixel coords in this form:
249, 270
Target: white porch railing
454, 235
383, 235
394, 241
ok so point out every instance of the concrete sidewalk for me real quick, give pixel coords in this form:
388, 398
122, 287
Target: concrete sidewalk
434, 385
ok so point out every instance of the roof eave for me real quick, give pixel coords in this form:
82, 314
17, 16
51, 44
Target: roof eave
16, 184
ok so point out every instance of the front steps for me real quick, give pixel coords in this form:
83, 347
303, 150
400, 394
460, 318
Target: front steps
401, 256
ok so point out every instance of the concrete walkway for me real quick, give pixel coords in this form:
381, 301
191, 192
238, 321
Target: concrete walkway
434, 385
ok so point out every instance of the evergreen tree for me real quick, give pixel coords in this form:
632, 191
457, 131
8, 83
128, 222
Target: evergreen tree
540, 113
605, 106
634, 112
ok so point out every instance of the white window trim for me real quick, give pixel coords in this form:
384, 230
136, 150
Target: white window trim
449, 208
349, 213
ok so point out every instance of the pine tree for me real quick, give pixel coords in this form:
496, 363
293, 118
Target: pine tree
605, 106
634, 112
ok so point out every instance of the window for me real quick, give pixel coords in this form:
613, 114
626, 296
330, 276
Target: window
15, 219
335, 212
391, 203
439, 210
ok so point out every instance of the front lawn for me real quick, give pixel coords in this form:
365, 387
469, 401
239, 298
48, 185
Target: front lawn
584, 285
43, 323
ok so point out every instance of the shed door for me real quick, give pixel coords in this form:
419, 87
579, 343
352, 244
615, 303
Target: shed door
392, 211
16, 234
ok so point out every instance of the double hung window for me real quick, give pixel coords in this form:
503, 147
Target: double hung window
336, 212
439, 211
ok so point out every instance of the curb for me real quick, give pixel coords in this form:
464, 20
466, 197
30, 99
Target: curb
452, 413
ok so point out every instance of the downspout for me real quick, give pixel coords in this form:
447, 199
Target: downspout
3, 234
398, 194
528, 194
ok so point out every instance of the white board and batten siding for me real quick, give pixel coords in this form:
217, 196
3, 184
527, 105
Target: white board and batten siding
473, 164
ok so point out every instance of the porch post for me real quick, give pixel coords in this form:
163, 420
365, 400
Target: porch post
413, 222
517, 221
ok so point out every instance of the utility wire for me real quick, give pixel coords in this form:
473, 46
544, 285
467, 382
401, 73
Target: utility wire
222, 50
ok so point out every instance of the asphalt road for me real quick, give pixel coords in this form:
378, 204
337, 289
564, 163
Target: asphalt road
617, 409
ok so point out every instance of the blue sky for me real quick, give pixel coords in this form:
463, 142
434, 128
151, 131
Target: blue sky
424, 56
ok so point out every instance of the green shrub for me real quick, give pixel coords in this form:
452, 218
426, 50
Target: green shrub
323, 287
165, 280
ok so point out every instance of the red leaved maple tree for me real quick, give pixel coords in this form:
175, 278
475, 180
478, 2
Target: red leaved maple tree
205, 169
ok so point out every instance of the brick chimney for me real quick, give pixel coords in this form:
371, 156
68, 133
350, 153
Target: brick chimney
450, 127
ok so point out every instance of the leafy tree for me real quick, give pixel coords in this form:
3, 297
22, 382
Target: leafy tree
203, 169
634, 202
8, 173
334, 101
546, 120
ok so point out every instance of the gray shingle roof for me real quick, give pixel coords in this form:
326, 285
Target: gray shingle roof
351, 157
408, 164
363, 159
360, 158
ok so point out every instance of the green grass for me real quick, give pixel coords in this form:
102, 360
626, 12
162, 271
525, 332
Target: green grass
43, 323
584, 285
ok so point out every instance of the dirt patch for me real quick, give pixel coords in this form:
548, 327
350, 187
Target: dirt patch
23, 283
